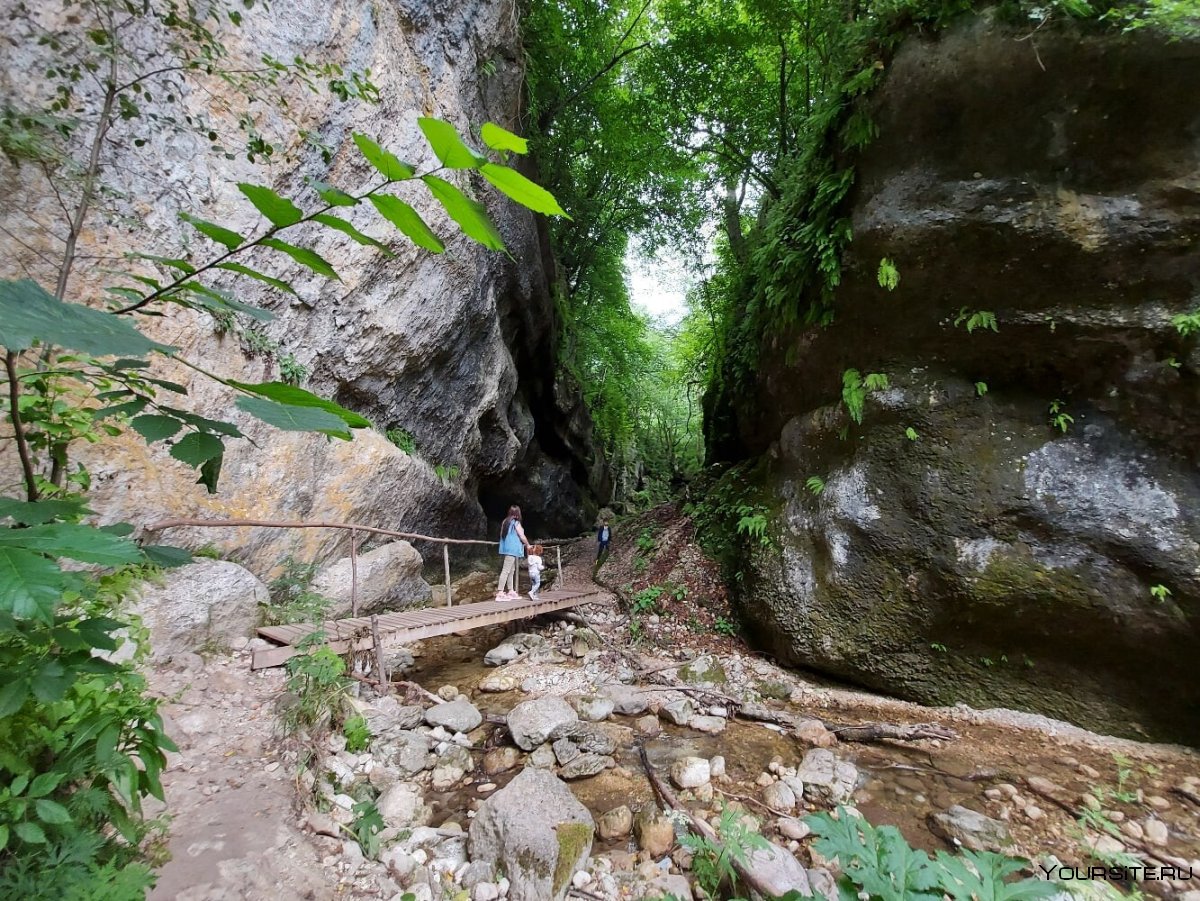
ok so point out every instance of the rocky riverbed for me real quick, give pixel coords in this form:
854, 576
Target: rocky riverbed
513, 771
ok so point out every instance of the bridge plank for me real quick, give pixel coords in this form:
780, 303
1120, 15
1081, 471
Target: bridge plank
402, 626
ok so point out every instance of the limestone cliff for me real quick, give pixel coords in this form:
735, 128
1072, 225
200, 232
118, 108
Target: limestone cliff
989, 555
458, 350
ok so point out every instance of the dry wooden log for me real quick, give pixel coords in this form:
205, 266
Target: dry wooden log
416, 690
867, 732
1187, 795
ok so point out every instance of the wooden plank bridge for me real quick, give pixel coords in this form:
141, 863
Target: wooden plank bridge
401, 627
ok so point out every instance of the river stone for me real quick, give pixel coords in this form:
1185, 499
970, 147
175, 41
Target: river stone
712, 725
778, 871
402, 806
615, 823
654, 830
678, 711
389, 578
513, 647
779, 796
542, 756
593, 738
594, 709
586, 765
500, 760
704, 670
407, 752
1156, 831
970, 829
459, 715
535, 831
648, 725
565, 750
813, 732
690, 772
627, 701
386, 715
540, 720
206, 603
827, 780
497, 683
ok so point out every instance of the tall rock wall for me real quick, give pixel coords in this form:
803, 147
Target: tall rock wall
459, 350
991, 556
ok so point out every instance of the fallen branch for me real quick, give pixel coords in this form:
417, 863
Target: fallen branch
746, 799
867, 732
416, 690
1187, 795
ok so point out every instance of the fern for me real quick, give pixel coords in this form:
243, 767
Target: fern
855, 388
889, 275
984, 319
815, 484
1187, 323
1059, 417
911, 434
981, 388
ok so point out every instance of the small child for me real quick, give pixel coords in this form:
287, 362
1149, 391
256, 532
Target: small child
534, 561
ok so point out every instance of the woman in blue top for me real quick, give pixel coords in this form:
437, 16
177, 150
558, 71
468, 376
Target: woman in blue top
512, 548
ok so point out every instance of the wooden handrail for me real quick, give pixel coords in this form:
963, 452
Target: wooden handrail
354, 527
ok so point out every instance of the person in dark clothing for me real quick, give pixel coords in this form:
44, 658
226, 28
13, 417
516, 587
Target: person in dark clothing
603, 537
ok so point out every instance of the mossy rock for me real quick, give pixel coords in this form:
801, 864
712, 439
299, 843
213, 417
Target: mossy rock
704, 670
574, 841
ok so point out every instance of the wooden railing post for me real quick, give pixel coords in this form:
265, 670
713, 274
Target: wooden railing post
446, 561
353, 572
558, 573
380, 667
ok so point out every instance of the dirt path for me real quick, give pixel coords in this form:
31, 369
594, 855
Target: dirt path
234, 831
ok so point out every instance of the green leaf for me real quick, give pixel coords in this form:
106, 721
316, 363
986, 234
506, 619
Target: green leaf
30, 832
166, 556
218, 426
390, 166
298, 397
262, 277
216, 299
279, 210
218, 233
331, 195
3, 833
196, 448
502, 139
405, 218
304, 256
294, 419
129, 408
522, 190
448, 146
30, 584
84, 543
12, 696
469, 214
44, 783
174, 262
32, 513
51, 812
210, 473
346, 228
154, 427
29, 313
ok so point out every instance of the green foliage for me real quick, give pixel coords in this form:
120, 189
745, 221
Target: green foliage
856, 387
889, 275
292, 371
317, 678
981, 388
368, 823
724, 626
1160, 593
971, 320
403, 440
1187, 324
713, 861
446, 474
878, 861
815, 485
293, 599
1059, 417
358, 736
646, 600
752, 522
911, 434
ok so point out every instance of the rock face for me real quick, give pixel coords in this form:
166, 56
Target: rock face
536, 832
994, 556
458, 350
209, 602
389, 578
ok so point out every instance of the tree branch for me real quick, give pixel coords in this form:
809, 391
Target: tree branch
14, 400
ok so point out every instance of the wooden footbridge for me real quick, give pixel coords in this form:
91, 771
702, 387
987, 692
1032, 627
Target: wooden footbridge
361, 633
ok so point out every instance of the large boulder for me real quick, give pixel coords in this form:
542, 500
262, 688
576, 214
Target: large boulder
206, 604
540, 720
389, 578
534, 831
996, 527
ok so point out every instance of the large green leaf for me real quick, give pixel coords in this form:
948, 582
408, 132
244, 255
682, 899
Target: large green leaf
51, 681
261, 276
154, 427
197, 448
331, 195
166, 556
29, 313
405, 218
346, 228
502, 139
52, 812
448, 146
30, 584
291, 418
218, 233
32, 513
87, 544
174, 262
469, 214
304, 256
522, 190
216, 299
279, 210
30, 832
298, 397
12, 695
389, 165
205, 425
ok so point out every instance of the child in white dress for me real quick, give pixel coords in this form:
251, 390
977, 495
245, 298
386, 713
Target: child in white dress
534, 561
